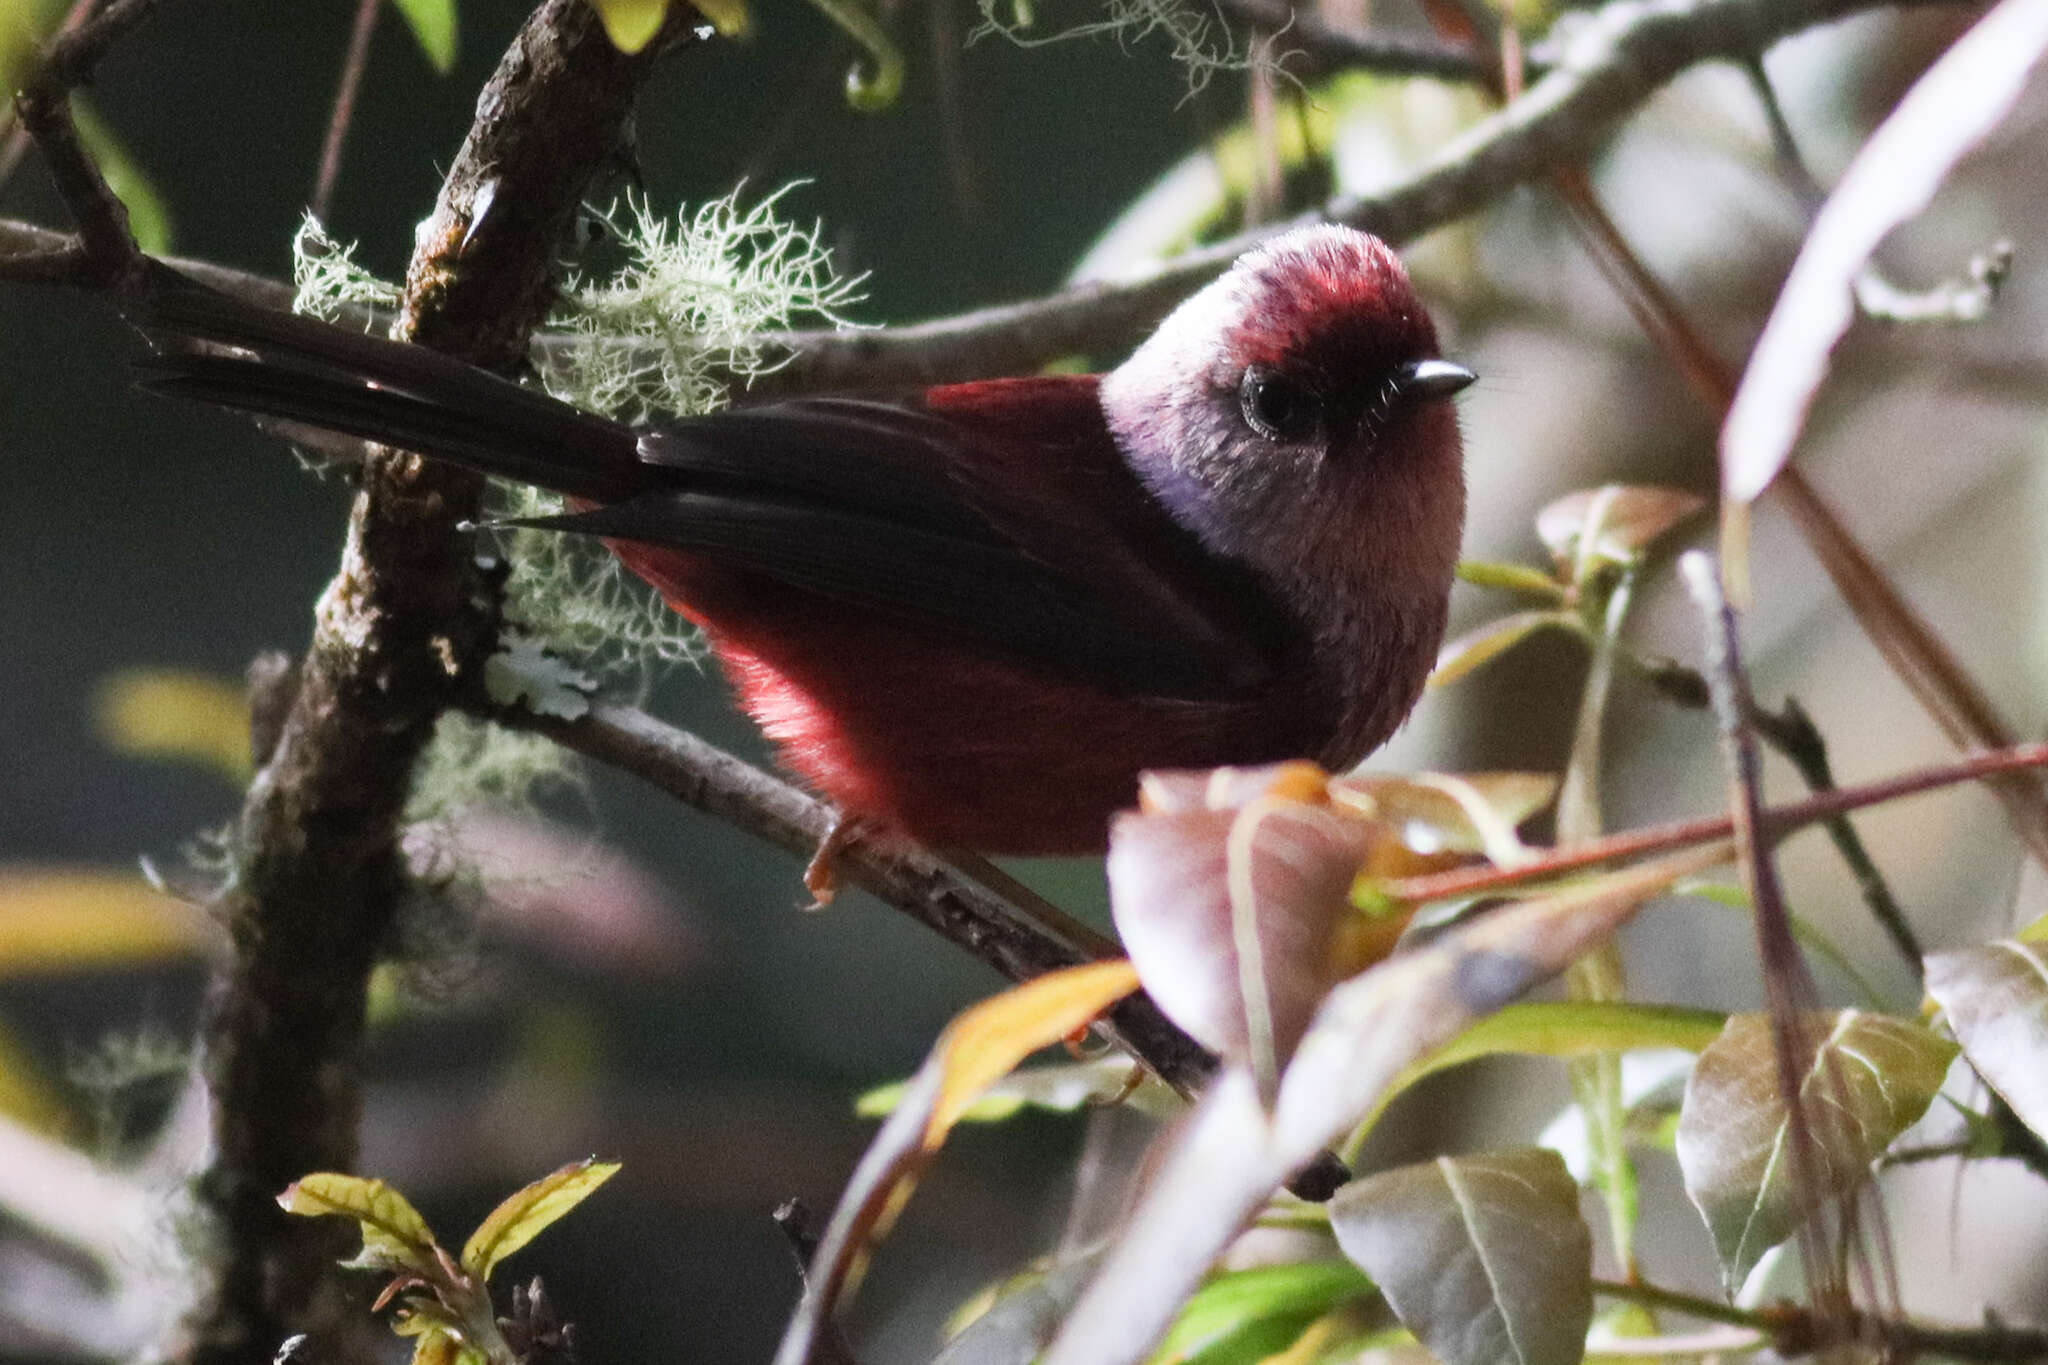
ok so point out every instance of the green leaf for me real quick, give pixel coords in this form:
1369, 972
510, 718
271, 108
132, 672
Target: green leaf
149, 218
1484, 1258
1871, 1078
1243, 1316
1469, 651
395, 1237
1487, 573
525, 1213
433, 26
631, 24
1573, 1028
1996, 998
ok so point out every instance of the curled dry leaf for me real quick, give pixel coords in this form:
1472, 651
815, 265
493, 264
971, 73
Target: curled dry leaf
1484, 1258
1232, 915
1467, 813
1624, 519
1996, 998
1872, 1077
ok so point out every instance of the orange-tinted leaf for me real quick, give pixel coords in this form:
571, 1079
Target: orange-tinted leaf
1167, 791
1465, 813
1229, 1158
985, 1043
977, 1048
522, 1216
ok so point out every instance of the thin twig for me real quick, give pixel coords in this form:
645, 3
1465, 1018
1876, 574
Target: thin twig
1018, 941
1793, 734
1618, 57
1776, 822
16, 144
1788, 987
105, 250
352, 67
1797, 1331
1923, 661
1310, 47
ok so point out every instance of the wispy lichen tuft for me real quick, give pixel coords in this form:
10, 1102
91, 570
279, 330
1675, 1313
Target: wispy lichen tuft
666, 334
687, 311
1201, 42
472, 761
327, 277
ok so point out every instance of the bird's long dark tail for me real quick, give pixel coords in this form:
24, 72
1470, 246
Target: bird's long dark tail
221, 350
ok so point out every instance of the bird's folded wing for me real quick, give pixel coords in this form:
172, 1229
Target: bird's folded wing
1029, 548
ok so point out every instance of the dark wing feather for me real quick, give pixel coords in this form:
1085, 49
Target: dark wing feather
951, 521
998, 515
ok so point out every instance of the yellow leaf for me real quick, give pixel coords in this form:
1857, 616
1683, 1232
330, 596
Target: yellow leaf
164, 713
985, 1044
433, 25
631, 24
67, 919
437, 1346
522, 1216
25, 1096
730, 17
395, 1237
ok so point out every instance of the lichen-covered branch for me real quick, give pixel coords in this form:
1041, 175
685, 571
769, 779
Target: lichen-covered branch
319, 875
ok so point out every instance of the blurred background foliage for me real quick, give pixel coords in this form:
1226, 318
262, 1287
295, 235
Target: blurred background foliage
663, 1001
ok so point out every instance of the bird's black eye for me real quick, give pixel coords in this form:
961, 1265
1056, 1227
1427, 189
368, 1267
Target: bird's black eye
1279, 408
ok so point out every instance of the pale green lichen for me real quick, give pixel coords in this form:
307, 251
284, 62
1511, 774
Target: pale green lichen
688, 309
666, 334
327, 278
1198, 39
471, 761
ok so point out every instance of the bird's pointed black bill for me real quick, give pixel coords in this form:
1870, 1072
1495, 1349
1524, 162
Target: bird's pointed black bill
1427, 379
